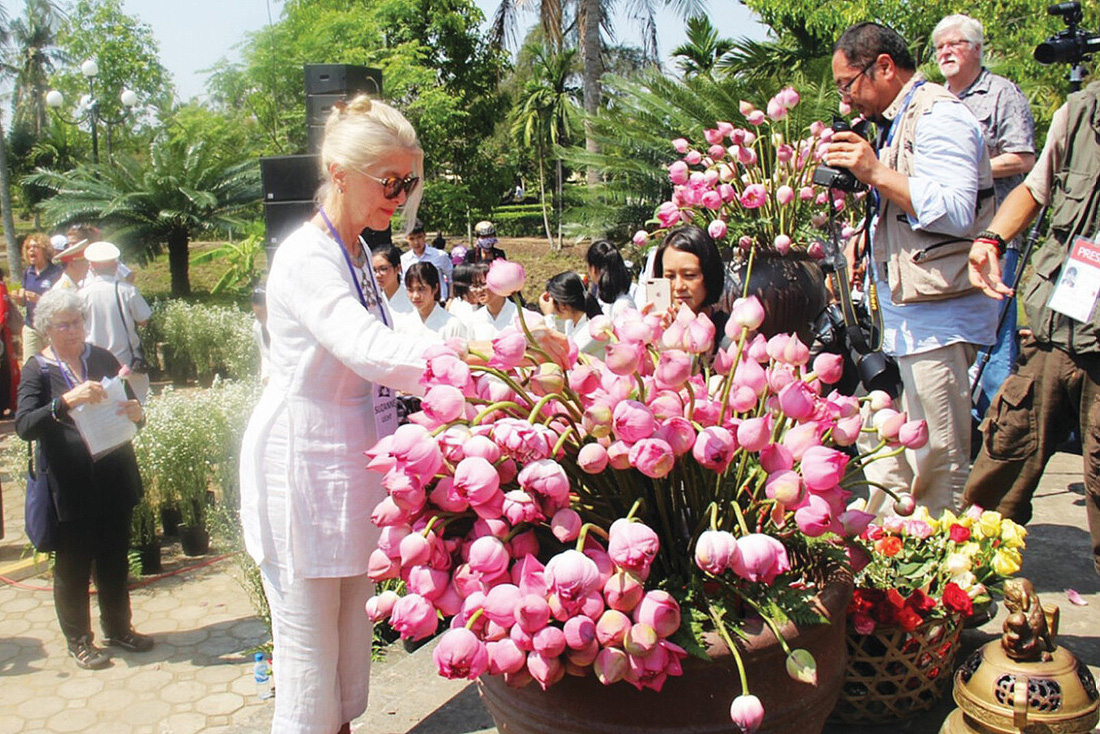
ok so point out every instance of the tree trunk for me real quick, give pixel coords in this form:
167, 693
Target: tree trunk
15, 264
178, 263
542, 198
558, 202
593, 69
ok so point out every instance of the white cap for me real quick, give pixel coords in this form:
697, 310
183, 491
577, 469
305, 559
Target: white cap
101, 252
59, 242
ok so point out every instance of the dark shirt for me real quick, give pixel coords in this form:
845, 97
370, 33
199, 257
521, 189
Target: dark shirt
82, 488
39, 283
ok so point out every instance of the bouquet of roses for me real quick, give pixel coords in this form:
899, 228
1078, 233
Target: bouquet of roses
753, 185
919, 568
572, 516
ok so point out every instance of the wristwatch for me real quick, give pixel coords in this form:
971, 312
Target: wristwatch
994, 239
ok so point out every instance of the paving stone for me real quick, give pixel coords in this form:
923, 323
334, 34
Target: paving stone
11, 724
80, 688
219, 704
217, 674
190, 636
142, 713
218, 720
41, 614
165, 603
245, 686
40, 706
110, 727
112, 700
158, 624
17, 605
15, 625
150, 679
72, 720
183, 691
190, 723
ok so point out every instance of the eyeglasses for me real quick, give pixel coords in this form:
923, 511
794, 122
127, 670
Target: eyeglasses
845, 88
70, 325
383, 269
392, 186
951, 44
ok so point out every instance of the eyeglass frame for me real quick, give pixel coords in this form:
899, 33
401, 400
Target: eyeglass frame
937, 47
845, 89
392, 186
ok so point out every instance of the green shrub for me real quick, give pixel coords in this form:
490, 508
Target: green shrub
205, 340
521, 224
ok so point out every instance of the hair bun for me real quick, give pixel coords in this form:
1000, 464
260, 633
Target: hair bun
361, 104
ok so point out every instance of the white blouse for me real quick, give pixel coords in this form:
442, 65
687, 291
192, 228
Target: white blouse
481, 325
438, 322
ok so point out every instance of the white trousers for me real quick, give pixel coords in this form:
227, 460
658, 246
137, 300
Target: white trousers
322, 650
936, 389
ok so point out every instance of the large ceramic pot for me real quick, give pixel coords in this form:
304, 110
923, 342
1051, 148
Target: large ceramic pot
697, 702
791, 287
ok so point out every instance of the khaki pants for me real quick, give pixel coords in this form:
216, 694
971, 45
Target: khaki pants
936, 389
1049, 393
33, 343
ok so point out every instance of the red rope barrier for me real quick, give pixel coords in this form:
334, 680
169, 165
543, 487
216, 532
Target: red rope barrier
144, 582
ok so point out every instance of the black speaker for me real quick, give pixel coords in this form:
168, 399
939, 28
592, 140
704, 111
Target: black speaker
319, 107
316, 136
343, 79
290, 177
282, 218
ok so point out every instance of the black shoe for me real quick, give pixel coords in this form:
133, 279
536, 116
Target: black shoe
131, 640
87, 655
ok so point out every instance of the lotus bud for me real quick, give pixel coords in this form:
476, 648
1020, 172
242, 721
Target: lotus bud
747, 713
505, 656
905, 505
612, 627
610, 665
460, 654
717, 229
640, 640
913, 434
660, 611
565, 525
623, 591
379, 606
680, 145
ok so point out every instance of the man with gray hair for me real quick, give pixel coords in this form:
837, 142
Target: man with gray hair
1009, 128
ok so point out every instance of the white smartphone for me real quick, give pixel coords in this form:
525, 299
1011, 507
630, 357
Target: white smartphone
658, 291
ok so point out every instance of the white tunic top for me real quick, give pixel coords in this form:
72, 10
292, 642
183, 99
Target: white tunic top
483, 327
400, 302
438, 322
324, 404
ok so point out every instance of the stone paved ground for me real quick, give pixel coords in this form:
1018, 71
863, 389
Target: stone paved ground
198, 678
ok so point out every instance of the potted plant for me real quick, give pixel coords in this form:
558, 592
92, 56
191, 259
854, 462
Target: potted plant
584, 522
194, 537
919, 579
143, 537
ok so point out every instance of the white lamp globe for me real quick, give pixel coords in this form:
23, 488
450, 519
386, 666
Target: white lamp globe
89, 68
54, 98
128, 97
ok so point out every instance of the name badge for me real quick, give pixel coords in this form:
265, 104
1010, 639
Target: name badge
1075, 294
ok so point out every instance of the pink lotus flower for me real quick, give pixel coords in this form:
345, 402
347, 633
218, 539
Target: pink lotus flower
379, 607
532, 613
565, 525
475, 480
509, 348
822, 467
802, 437
815, 517
430, 583
888, 423
521, 507
678, 173
571, 575
668, 214
623, 591
762, 558
829, 368
751, 375
659, 610
747, 713
879, 400
505, 656
716, 152
592, 458
460, 654
784, 194
905, 505
847, 430
693, 157
413, 617
854, 522
785, 487
549, 641
443, 403
788, 97
711, 200
913, 434
673, 369
618, 455
548, 480
714, 448
632, 545
717, 229
415, 550
624, 357
678, 432
652, 457
782, 244
797, 401
754, 196
611, 665
756, 117
753, 434
546, 671
488, 556
715, 551
680, 145
640, 238
505, 277
611, 628
748, 313
633, 421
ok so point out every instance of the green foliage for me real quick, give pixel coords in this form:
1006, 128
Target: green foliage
243, 260
704, 50
184, 188
518, 224
212, 340
143, 524
191, 442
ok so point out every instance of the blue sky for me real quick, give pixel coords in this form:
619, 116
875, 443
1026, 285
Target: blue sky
193, 34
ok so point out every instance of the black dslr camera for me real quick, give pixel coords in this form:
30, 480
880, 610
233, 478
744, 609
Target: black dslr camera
1071, 46
838, 177
874, 369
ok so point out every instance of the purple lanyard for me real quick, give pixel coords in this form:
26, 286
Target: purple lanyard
65, 369
351, 268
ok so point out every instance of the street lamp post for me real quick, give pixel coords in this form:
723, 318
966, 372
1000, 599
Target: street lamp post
92, 113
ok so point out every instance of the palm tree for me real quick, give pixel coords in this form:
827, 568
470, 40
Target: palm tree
30, 59
704, 50
545, 116
182, 190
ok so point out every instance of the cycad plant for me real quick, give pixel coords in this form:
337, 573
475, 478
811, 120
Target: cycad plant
181, 190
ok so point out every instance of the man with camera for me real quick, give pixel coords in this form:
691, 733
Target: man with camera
1055, 383
932, 189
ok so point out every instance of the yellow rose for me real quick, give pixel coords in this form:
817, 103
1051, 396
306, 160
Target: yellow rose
1006, 561
970, 549
1013, 534
965, 581
989, 524
948, 518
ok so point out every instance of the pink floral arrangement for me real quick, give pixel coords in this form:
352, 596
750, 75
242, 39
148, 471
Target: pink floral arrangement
752, 184
564, 515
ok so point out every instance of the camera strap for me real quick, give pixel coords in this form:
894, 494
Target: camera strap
835, 260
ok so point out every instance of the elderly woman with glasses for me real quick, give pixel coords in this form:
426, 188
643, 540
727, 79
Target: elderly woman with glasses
94, 497
335, 364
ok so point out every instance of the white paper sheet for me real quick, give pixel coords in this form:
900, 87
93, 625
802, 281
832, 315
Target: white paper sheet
101, 426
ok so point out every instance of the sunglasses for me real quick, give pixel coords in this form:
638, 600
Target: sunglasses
392, 186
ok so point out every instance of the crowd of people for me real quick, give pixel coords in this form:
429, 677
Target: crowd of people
955, 179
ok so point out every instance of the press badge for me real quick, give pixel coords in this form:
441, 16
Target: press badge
1078, 285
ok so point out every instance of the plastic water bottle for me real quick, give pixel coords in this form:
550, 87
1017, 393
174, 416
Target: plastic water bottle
262, 673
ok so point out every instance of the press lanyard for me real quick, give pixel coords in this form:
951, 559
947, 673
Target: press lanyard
351, 268
893, 131
65, 369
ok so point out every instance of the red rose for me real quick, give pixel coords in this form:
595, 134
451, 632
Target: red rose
908, 620
863, 623
920, 602
895, 599
957, 600
959, 534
